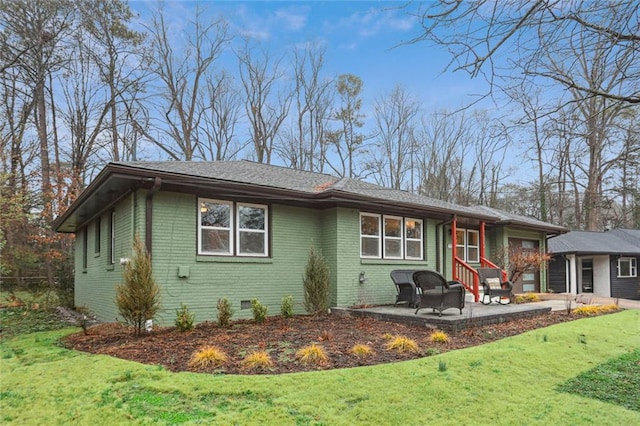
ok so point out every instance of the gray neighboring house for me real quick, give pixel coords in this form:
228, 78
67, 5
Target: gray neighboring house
599, 263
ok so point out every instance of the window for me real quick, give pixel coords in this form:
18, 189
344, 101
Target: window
225, 229
468, 245
369, 235
393, 237
96, 236
627, 267
473, 246
390, 237
413, 239
112, 238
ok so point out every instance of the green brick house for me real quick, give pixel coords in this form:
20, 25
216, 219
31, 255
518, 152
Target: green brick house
243, 230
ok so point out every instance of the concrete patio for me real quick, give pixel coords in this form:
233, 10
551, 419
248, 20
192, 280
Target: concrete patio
476, 314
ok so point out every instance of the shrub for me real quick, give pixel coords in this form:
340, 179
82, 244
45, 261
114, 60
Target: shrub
224, 312
403, 345
432, 352
138, 299
287, 307
184, 318
316, 284
259, 311
361, 351
256, 360
439, 336
527, 298
312, 355
207, 357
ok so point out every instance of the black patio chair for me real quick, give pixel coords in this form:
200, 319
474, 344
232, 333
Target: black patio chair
493, 286
405, 287
438, 293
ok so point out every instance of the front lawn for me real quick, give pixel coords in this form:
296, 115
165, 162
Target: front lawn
511, 381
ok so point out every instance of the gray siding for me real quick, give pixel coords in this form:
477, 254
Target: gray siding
624, 288
558, 274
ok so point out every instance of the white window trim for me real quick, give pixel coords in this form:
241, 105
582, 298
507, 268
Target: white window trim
255, 231
218, 228
400, 238
381, 237
633, 267
420, 240
378, 237
467, 239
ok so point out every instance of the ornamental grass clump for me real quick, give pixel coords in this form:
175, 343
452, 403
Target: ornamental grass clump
439, 337
592, 310
361, 351
257, 360
138, 299
312, 355
208, 357
403, 344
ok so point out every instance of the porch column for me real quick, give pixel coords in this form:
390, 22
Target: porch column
572, 274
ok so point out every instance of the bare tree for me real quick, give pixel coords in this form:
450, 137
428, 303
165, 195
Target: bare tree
117, 51
267, 94
182, 72
477, 33
396, 117
220, 109
303, 146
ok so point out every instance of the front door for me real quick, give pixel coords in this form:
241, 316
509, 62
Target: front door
587, 276
530, 280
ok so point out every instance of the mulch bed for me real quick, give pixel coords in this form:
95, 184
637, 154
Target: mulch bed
282, 338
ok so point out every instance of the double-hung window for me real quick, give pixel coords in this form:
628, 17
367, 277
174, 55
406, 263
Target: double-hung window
468, 245
232, 229
112, 238
390, 237
627, 267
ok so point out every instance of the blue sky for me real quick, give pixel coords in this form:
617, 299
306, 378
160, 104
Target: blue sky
362, 38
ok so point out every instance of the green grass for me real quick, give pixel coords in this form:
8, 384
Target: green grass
512, 381
616, 381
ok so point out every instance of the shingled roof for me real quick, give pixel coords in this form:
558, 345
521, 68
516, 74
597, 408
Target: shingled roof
523, 221
250, 179
616, 242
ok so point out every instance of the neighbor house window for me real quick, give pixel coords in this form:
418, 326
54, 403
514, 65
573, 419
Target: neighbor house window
112, 238
96, 236
390, 237
627, 267
228, 229
468, 245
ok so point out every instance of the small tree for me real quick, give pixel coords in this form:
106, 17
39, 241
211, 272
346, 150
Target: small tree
138, 299
520, 261
316, 283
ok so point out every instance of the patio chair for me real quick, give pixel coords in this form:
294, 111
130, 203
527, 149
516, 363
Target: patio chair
405, 287
438, 293
493, 286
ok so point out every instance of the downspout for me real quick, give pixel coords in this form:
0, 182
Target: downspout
149, 213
